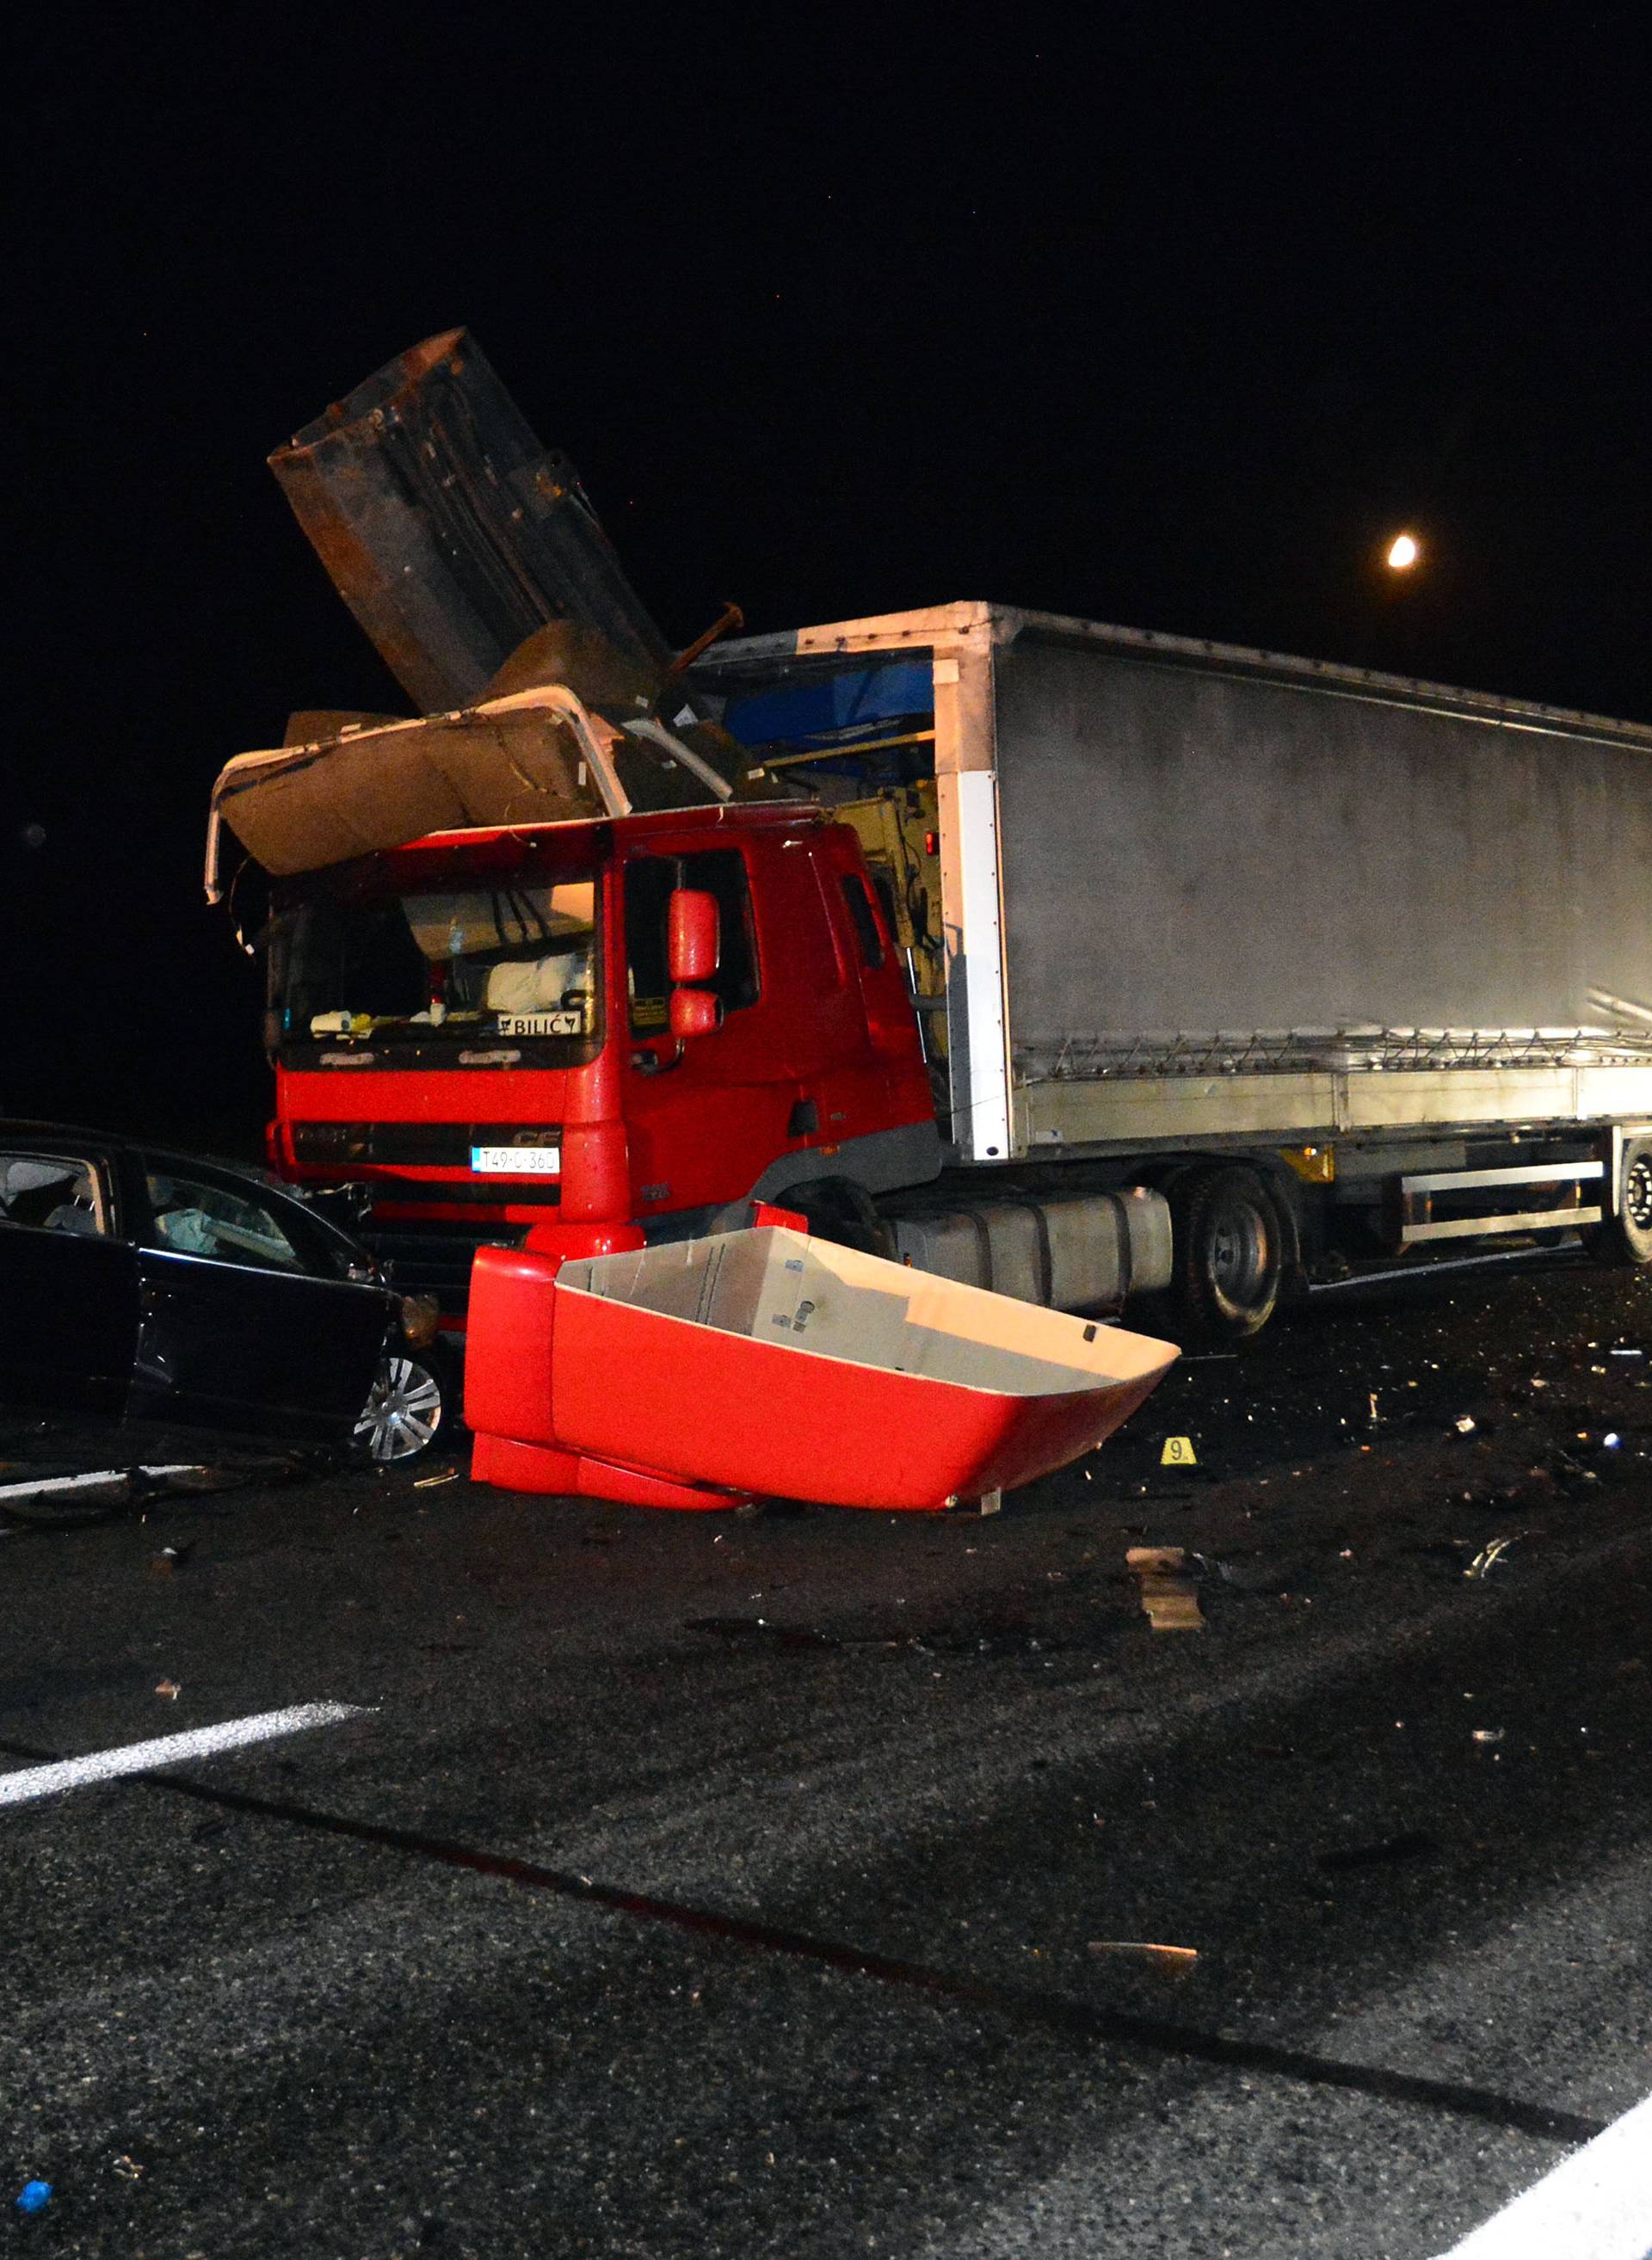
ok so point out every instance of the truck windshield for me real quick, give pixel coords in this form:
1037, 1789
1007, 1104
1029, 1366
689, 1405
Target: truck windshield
440, 969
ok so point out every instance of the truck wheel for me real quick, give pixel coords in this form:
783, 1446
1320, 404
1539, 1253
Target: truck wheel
1626, 1238
1228, 1250
839, 1210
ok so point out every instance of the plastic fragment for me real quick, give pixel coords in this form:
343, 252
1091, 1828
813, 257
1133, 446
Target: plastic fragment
169, 1690
35, 2197
1465, 1424
1488, 1734
1611, 1441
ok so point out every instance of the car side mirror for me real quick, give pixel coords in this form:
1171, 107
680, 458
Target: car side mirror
693, 937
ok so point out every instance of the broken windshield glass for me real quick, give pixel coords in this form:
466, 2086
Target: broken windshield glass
440, 966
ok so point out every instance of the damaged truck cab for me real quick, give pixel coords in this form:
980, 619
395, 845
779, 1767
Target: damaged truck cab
593, 1029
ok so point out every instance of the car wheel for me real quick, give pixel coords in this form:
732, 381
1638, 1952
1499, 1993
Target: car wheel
409, 1407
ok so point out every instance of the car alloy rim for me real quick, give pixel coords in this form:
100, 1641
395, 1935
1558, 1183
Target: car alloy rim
403, 1411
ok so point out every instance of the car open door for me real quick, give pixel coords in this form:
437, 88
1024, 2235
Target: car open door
69, 1287
244, 1323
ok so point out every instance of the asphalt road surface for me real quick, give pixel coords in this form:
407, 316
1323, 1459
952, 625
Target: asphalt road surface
712, 1885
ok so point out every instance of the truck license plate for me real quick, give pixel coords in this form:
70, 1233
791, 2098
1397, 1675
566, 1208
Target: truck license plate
517, 1160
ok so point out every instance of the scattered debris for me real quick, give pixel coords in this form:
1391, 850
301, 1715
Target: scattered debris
1413, 1845
1489, 1555
170, 1559
169, 1690
1611, 1441
1466, 1424
1628, 1353
1168, 1598
428, 1483
128, 2167
35, 2197
1253, 1573
1488, 1734
1176, 1961
758, 1632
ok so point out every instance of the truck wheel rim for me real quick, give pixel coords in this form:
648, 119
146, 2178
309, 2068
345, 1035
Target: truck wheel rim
403, 1413
1240, 1254
1637, 1193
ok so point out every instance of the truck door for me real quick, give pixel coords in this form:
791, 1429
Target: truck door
706, 1121
68, 1288
241, 1328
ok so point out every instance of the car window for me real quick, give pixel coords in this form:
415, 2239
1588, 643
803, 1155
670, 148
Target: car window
53, 1192
193, 1217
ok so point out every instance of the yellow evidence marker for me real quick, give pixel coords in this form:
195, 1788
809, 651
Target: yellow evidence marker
1178, 1453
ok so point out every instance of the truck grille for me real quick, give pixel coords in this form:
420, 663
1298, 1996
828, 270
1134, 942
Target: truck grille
415, 1145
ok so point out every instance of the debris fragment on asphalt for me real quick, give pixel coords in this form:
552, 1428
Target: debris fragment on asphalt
128, 2167
1490, 1554
1413, 1845
1168, 1598
169, 1690
428, 1483
35, 2197
1488, 1734
1465, 1424
1173, 1960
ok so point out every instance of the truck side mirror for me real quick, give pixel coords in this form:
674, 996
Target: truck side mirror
695, 1013
693, 938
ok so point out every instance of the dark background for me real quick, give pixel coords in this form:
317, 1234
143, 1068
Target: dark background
1167, 319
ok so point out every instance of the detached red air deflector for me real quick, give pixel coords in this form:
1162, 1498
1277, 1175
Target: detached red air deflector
766, 1364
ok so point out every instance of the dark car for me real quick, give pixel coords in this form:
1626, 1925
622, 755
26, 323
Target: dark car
137, 1282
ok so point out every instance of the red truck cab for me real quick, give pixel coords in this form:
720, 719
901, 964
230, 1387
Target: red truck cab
480, 1028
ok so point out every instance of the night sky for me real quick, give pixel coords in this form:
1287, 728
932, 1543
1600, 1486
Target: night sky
1163, 318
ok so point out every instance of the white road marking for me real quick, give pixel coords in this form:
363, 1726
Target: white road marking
1597, 2205
48, 1486
170, 1749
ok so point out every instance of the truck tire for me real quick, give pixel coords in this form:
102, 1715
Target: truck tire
1626, 1238
1228, 1255
839, 1210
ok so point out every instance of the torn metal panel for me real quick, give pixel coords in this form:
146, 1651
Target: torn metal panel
540, 756
449, 530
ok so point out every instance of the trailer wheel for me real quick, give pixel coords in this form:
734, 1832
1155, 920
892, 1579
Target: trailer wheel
1228, 1254
1626, 1238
